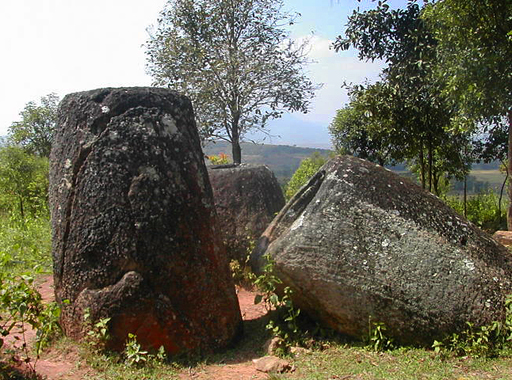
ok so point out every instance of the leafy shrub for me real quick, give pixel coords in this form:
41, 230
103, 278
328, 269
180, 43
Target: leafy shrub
308, 167
97, 334
483, 210
241, 270
136, 356
377, 338
21, 307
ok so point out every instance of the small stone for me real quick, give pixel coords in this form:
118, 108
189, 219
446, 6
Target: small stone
272, 345
272, 364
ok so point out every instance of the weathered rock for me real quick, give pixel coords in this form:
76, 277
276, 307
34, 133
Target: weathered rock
272, 345
134, 227
503, 237
270, 364
358, 241
247, 198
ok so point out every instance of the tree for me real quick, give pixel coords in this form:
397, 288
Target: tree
235, 61
474, 58
352, 133
35, 130
23, 180
407, 102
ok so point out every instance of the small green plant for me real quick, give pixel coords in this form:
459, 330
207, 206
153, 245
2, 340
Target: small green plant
267, 283
241, 271
377, 338
136, 356
480, 341
21, 308
49, 327
96, 332
285, 322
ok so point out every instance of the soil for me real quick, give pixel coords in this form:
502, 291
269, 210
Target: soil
236, 364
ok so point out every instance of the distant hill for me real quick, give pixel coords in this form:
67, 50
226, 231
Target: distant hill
283, 160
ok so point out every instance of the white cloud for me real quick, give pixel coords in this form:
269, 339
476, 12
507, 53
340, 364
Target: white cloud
318, 47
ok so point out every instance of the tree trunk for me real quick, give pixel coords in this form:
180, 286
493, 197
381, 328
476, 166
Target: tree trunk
430, 164
422, 165
22, 211
235, 146
502, 188
509, 155
465, 196
237, 152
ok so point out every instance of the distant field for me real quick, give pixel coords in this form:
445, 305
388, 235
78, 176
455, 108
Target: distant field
494, 177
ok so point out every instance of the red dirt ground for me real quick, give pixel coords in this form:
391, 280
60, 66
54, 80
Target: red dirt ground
62, 365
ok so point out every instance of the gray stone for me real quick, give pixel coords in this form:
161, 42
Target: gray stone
358, 241
134, 226
247, 198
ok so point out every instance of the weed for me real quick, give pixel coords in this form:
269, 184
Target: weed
96, 331
285, 322
377, 339
241, 270
480, 341
136, 356
21, 307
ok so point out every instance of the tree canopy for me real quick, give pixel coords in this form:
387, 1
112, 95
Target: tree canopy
35, 130
405, 111
234, 59
474, 61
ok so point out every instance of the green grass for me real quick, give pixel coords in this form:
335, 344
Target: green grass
25, 246
349, 362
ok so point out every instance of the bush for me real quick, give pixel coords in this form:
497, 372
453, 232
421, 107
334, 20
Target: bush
25, 246
483, 210
308, 167
21, 307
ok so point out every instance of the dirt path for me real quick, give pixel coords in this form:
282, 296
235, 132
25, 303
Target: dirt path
61, 365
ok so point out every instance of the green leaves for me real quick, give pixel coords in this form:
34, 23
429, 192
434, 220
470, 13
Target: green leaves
35, 130
475, 53
21, 305
308, 167
23, 181
404, 116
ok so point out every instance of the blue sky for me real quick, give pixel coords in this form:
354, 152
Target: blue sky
65, 46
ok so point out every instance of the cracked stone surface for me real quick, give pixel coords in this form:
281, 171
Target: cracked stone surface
360, 242
134, 225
